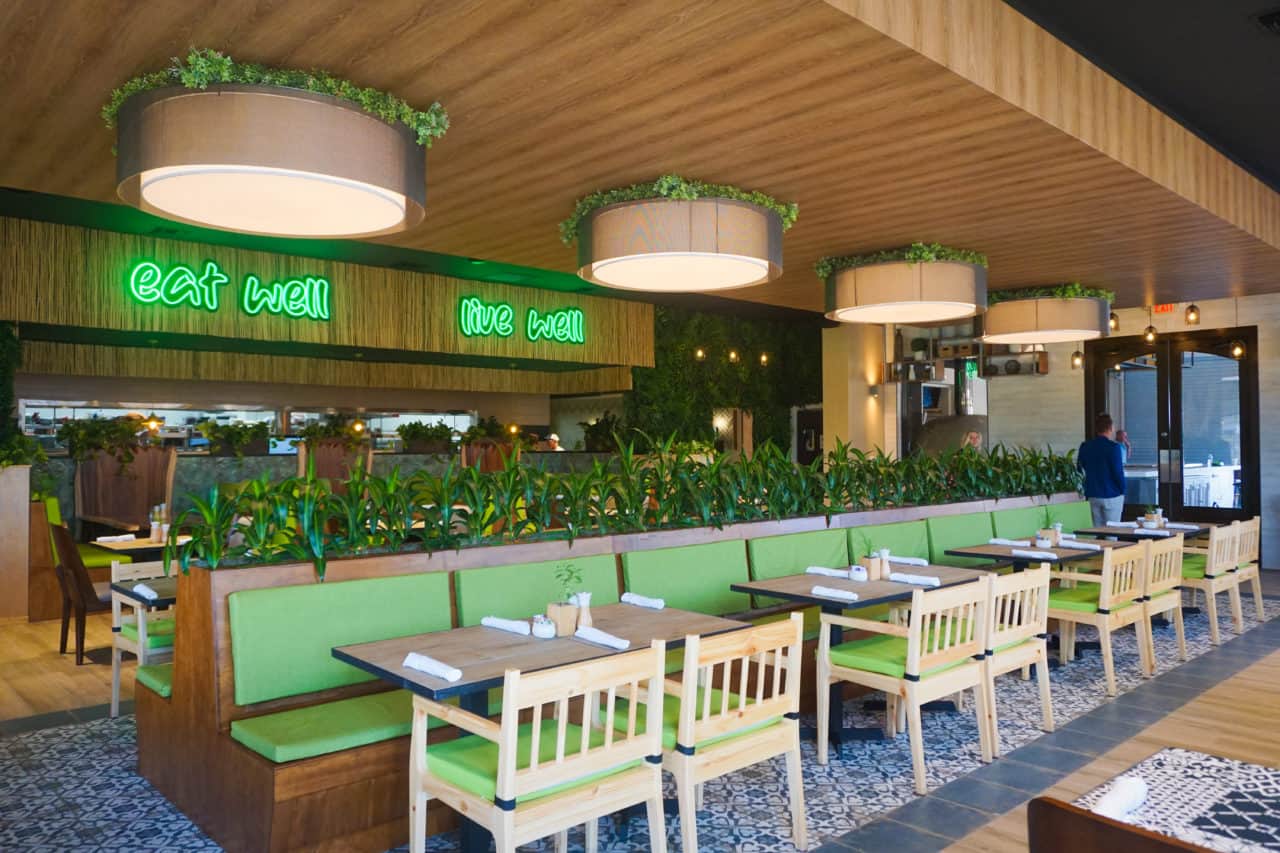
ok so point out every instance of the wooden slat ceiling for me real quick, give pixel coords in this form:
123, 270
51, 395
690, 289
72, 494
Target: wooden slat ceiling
879, 144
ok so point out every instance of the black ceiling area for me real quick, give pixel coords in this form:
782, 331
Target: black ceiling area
1212, 65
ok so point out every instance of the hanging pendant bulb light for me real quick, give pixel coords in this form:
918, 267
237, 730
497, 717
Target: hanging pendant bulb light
1077, 360
1114, 321
1192, 315
1237, 349
1150, 332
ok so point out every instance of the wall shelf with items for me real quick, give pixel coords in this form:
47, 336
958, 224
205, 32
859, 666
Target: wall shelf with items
1009, 363
915, 371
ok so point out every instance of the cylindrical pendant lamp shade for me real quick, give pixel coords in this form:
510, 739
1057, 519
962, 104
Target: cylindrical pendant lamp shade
268, 160
906, 293
674, 246
1046, 320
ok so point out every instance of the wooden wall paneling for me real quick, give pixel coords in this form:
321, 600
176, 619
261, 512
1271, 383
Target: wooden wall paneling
15, 504
44, 594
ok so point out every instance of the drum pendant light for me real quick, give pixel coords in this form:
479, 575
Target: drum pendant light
1045, 320
917, 284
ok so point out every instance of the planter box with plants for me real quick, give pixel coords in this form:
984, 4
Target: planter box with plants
419, 437
236, 439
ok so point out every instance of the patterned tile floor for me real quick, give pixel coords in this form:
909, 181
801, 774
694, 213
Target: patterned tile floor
74, 787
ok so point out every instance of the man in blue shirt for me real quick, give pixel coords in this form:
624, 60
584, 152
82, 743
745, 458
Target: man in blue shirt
1101, 459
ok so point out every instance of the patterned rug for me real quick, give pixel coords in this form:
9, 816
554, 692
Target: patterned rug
1216, 802
76, 787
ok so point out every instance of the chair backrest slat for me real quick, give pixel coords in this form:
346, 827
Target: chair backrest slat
947, 625
1124, 572
1249, 544
1164, 565
1019, 607
1223, 542
121, 572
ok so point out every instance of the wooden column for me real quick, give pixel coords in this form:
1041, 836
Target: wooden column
15, 504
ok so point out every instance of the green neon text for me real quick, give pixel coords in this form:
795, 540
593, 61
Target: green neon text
477, 318
564, 326
302, 297
297, 297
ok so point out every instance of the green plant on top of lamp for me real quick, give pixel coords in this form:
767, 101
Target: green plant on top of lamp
916, 253
422, 431
1066, 290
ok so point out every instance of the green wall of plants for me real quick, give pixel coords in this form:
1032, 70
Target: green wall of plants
679, 393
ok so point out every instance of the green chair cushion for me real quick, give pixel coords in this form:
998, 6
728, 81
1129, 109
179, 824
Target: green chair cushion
692, 577
282, 637
94, 557
882, 654
1083, 598
159, 633
471, 763
1072, 516
157, 678
1021, 523
958, 531
520, 590
1193, 565
671, 719
902, 538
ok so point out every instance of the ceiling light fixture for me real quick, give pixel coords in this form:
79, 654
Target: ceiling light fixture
1045, 320
1077, 360
1237, 349
906, 293
1192, 315
1150, 332
1113, 322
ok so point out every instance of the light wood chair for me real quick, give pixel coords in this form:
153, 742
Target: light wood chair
752, 716
550, 774
129, 633
1162, 594
1108, 600
1017, 626
1213, 570
1248, 551
939, 653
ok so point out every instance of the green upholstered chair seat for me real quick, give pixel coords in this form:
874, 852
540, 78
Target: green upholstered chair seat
157, 678
1083, 598
902, 538
691, 577
471, 762
881, 654
671, 719
958, 531
1019, 523
94, 557
1072, 516
159, 633
520, 590
1193, 565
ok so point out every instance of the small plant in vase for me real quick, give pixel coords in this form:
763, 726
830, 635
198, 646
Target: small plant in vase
565, 612
1154, 516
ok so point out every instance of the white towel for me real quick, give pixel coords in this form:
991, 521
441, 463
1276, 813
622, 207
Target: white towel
1034, 555
602, 638
145, 591
830, 573
123, 537
908, 561
643, 601
1013, 543
431, 666
918, 580
515, 626
1178, 525
857, 573
1077, 545
1142, 531
1126, 796
838, 594
1121, 524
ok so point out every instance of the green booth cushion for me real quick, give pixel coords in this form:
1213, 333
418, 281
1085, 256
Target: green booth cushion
1022, 523
778, 556
958, 531
1082, 597
882, 654
1072, 516
157, 678
902, 538
1193, 565
159, 633
470, 762
692, 577
518, 591
282, 637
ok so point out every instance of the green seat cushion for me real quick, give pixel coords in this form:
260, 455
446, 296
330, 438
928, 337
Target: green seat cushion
471, 762
958, 531
94, 557
282, 637
882, 654
1083, 598
328, 727
1072, 516
1193, 565
1021, 523
902, 538
157, 678
159, 633
692, 577
671, 719
518, 591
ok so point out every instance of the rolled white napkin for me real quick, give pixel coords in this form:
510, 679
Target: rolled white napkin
602, 638
515, 626
643, 601
1126, 796
1122, 524
1014, 543
857, 573
830, 573
1034, 555
431, 666
123, 537
1077, 545
1179, 525
1142, 531
908, 561
145, 591
918, 580
832, 592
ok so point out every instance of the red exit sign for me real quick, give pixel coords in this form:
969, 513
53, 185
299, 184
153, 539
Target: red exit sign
1166, 308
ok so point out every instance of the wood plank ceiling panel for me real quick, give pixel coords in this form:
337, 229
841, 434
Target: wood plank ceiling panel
879, 144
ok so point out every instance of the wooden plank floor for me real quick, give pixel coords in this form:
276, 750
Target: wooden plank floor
1239, 718
35, 679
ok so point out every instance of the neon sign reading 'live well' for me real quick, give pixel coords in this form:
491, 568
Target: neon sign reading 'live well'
480, 319
303, 297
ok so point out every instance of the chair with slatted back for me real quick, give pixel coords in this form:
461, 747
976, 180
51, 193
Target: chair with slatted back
1162, 593
751, 716
939, 653
1017, 625
1108, 600
1213, 571
81, 595
524, 781
1248, 550
144, 631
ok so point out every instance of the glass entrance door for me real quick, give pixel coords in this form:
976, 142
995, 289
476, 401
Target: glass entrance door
1186, 408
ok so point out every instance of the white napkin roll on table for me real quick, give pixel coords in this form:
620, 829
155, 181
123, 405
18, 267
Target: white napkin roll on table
1013, 543
145, 591
1145, 532
918, 580
1034, 555
431, 666
602, 638
643, 601
1077, 545
908, 561
1126, 796
1178, 525
1122, 524
830, 573
123, 537
515, 626
831, 592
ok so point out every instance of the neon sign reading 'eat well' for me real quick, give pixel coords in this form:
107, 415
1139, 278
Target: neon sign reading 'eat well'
181, 285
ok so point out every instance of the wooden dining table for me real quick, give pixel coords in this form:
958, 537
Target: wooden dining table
1137, 534
139, 550
484, 655
1003, 555
166, 590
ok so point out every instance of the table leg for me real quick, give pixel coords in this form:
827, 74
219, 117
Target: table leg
474, 837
